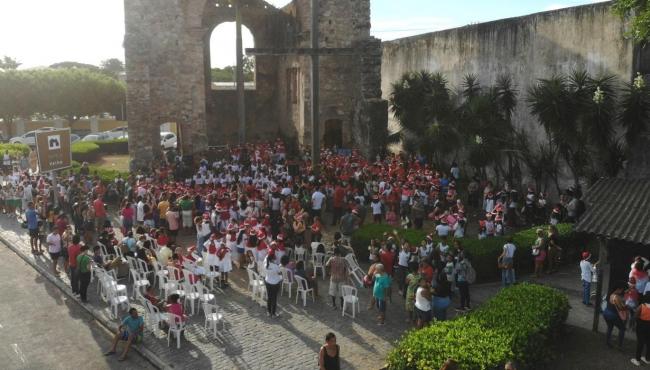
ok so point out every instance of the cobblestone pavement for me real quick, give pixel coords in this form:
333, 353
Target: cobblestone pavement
251, 340
41, 328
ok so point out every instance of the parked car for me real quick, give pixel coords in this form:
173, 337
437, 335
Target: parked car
74, 138
30, 137
118, 133
168, 140
96, 137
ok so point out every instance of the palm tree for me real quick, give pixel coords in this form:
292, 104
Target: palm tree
635, 109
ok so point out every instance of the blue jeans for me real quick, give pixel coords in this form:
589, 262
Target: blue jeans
507, 277
586, 291
200, 240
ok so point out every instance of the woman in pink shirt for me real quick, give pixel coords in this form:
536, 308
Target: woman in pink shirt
174, 307
172, 217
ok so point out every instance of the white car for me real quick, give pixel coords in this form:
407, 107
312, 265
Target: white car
96, 137
168, 140
74, 138
30, 137
118, 133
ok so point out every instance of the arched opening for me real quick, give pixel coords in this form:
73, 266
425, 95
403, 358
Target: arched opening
279, 3
333, 133
223, 57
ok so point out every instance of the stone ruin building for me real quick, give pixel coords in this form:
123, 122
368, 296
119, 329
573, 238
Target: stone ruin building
168, 75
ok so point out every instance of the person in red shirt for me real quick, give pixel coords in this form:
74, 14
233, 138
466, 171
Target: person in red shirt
426, 270
73, 251
387, 258
100, 212
339, 202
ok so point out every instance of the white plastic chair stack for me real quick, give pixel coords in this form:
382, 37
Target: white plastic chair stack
302, 290
350, 297
319, 263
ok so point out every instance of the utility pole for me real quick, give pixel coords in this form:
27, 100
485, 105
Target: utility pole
241, 97
315, 87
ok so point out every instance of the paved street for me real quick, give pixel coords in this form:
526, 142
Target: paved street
40, 328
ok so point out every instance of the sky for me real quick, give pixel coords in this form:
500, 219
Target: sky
43, 32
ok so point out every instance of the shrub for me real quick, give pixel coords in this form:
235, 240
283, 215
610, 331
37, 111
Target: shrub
15, 150
90, 151
519, 323
484, 252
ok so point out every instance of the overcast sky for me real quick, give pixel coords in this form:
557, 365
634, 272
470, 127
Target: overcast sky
43, 32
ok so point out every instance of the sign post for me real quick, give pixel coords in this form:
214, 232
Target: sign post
54, 152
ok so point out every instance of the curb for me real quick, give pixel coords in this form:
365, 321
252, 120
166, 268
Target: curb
111, 326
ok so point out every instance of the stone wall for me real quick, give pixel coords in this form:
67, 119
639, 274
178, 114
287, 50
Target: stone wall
528, 48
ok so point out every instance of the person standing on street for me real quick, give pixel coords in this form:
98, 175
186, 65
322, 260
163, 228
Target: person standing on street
31, 216
54, 249
73, 251
615, 315
506, 261
587, 269
338, 276
83, 272
273, 279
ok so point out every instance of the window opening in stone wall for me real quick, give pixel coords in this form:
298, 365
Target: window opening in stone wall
223, 57
333, 133
292, 85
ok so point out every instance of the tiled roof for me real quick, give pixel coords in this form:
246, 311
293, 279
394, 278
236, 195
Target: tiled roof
618, 209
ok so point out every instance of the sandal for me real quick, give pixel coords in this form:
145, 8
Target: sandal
109, 353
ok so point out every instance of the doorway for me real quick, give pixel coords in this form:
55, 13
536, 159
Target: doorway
333, 133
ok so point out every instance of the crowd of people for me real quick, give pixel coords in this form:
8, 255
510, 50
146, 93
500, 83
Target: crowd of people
249, 206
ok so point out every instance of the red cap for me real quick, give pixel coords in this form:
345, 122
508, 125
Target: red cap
585, 255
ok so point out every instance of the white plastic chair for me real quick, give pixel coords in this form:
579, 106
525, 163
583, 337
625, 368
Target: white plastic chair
191, 294
154, 316
314, 247
116, 300
300, 254
140, 282
319, 263
260, 289
253, 283
349, 294
303, 289
286, 280
211, 276
133, 265
143, 268
160, 274
204, 294
213, 316
176, 327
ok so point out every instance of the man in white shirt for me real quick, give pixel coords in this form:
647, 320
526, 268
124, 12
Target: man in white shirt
506, 260
317, 202
587, 269
140, 211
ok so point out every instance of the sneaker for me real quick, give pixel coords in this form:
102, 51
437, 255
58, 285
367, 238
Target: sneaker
645, 360
635, 362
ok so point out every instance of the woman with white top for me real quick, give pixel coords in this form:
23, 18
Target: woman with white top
54, 248
423, 304
273, 279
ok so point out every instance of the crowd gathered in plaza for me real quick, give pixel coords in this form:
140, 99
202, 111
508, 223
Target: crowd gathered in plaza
253, 208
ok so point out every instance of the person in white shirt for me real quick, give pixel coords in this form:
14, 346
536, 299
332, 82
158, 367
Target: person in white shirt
273, 279
423, 304
587, 269
54, 248
317, 202
377, 208
139, 211
506, 260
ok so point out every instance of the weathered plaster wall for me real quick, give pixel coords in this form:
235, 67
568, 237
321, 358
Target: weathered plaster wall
536, 46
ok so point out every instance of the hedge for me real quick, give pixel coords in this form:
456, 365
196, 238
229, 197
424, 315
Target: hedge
484, 252
15, 150
91, 151
520, 323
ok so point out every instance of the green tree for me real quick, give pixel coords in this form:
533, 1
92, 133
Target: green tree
8, 63
638, 13
67, 65
112, 67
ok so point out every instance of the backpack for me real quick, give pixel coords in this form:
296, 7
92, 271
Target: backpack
471, 273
